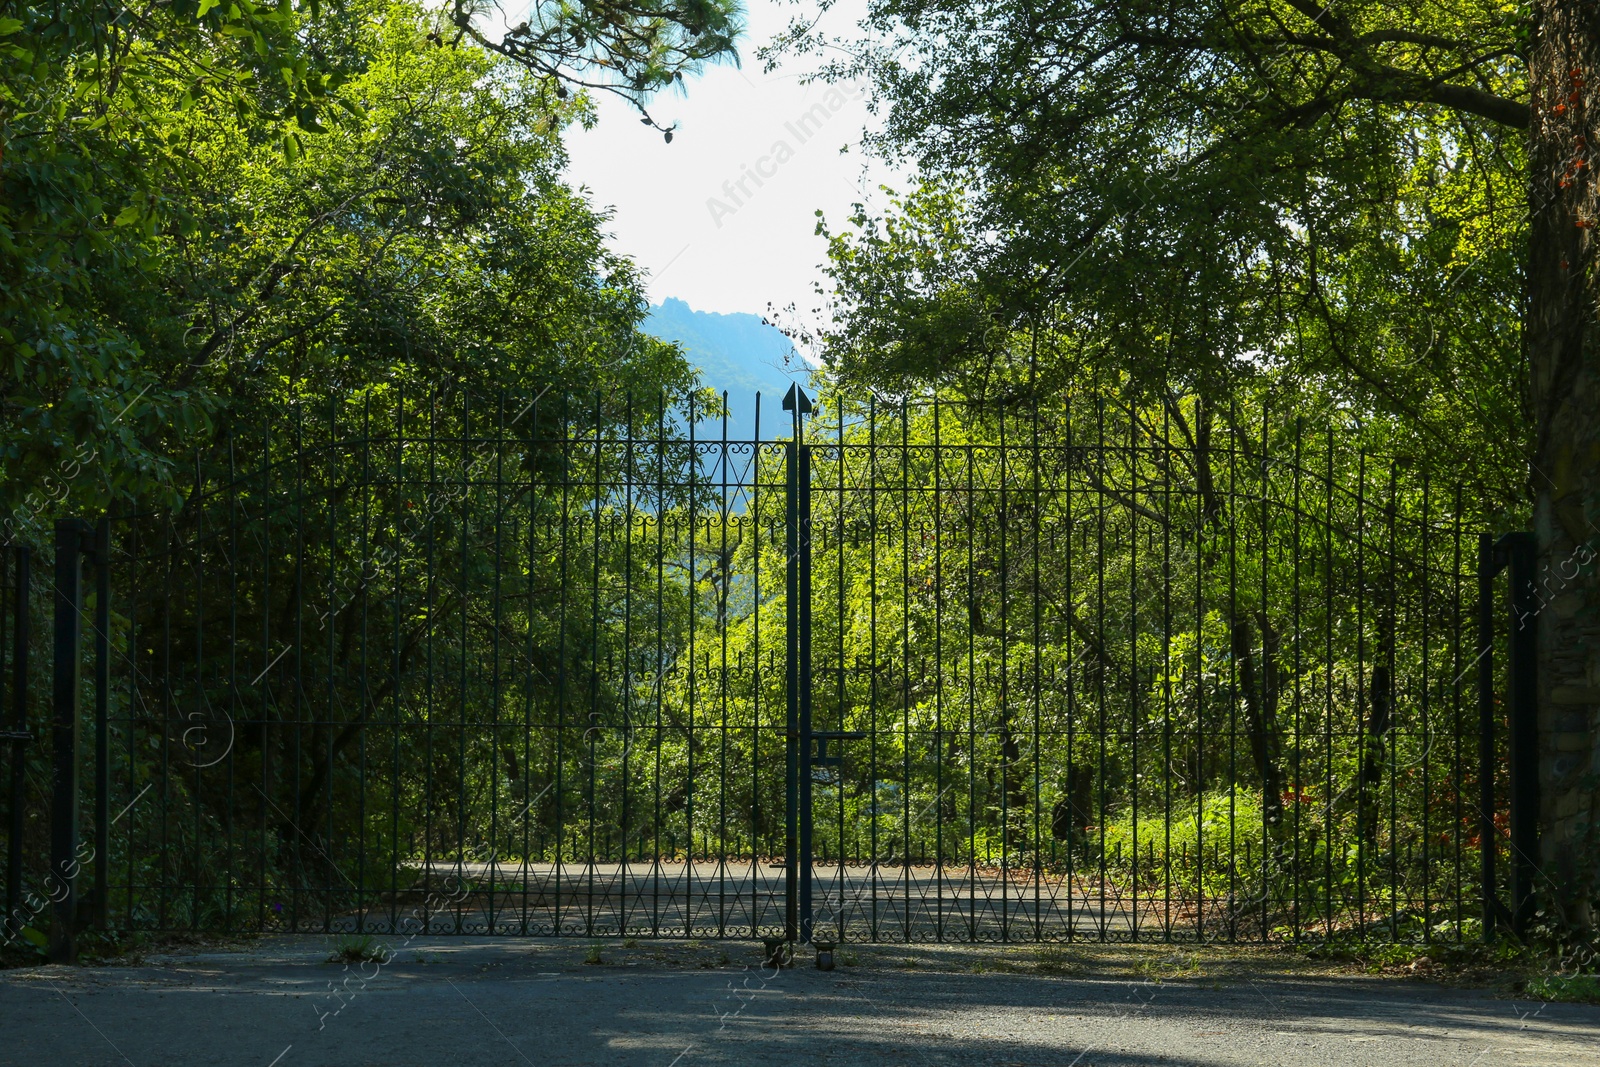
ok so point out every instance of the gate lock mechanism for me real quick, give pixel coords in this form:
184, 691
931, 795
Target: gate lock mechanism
822, 757
822, 761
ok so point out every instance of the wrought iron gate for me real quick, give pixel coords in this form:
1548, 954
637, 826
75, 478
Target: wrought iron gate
1104, 667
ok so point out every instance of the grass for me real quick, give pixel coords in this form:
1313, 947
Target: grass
1469, 960
1579, 988
1502, 965
357, 948
592, 954
1055, 959
1162, 968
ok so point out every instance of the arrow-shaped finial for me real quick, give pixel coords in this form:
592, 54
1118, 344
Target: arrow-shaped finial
796, 400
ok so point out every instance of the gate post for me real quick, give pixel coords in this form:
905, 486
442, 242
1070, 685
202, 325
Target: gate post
803, 485
70, 537
791, 781
797, 785
1488, 566
18, 736
1521, 552
102, 731
1518, 553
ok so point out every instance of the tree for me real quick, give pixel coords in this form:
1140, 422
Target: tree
1339, 194
119, 222
1563, 284
93, 99
353, 313
632, 48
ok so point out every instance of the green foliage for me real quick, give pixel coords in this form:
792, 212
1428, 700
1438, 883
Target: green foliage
1186, 205
36, 938
630, 49
97, 104
219, 221
1194, 194
334, 296
1195, 844
1439, 952
1579, 988
207, 206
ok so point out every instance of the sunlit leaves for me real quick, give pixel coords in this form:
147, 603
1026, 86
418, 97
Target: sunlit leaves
1196, 192
633, 49
245, 202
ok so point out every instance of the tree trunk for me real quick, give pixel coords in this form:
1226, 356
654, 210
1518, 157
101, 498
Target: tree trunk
1261, 715
1074, 812
1374, 750
1564, 397
1016, 800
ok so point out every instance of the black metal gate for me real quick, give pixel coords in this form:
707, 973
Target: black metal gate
1101, 667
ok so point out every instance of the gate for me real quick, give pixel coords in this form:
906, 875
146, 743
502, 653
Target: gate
1099, 666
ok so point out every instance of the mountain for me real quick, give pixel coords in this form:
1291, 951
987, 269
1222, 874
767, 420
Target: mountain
736, 353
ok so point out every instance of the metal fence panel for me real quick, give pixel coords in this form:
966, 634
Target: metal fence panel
1100, 668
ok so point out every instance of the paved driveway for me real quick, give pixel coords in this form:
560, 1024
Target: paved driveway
451, 1001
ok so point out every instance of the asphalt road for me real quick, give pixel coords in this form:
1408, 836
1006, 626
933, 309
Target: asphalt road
502, 1002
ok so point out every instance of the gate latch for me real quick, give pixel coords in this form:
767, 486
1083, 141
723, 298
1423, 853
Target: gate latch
822, 758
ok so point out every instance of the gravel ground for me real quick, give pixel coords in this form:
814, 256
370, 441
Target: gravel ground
680, 1004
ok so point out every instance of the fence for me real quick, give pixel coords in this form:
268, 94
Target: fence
1098, 667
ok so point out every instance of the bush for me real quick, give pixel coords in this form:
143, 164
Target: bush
1193, 843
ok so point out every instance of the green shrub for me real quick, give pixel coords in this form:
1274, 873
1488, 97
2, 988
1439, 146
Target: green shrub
1194, 842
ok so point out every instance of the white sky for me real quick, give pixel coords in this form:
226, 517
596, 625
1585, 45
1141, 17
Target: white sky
735, 254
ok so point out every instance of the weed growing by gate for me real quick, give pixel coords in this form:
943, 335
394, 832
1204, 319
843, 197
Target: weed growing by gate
356, 948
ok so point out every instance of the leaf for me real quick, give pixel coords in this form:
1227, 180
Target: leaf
9, 26
205, 7
291, 147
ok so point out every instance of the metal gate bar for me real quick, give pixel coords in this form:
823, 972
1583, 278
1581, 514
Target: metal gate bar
1515, 553
16, 561
1097, 665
